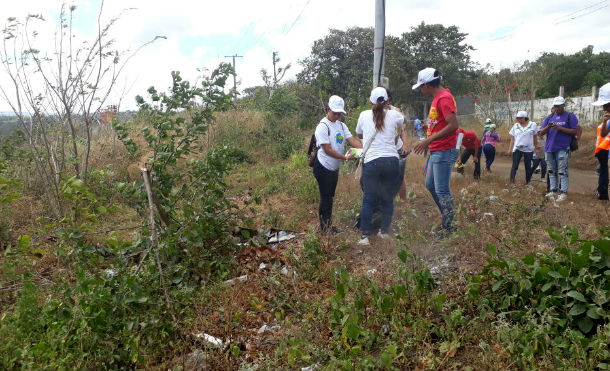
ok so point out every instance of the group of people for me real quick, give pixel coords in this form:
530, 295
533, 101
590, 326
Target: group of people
382, 147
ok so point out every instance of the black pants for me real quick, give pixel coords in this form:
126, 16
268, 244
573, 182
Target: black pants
490, 155
327, 184
477, 165
527, 159
602, 184
539, 162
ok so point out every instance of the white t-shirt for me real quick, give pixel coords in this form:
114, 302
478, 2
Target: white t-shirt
383, 145
524, 136
339, 133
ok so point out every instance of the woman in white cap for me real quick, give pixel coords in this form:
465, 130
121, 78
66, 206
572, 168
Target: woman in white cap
523, 143
331, 135
560, 130
380, 172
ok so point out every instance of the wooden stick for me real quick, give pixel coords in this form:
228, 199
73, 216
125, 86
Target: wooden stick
153, 239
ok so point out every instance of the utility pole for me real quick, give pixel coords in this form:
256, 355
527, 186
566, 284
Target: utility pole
234, 74
379, 52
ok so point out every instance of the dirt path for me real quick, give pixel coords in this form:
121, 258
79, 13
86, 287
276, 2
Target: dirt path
581, 181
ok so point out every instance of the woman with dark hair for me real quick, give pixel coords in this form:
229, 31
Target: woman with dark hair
380, 172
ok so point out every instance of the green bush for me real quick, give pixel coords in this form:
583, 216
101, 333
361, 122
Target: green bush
557, 301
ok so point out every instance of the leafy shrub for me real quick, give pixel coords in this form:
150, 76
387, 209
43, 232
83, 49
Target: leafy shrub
560, 300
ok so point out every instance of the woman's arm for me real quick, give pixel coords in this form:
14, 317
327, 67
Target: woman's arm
354, 142
332, 153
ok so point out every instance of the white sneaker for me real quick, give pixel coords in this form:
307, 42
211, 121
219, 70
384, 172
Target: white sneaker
383, 236
550, 195
562, 197
364, 241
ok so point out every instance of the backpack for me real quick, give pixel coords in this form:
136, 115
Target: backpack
312, 152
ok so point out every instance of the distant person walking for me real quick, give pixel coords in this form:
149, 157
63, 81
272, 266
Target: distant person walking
380, 173
442, 128
490, 139
523, 143
602, 146
560, 131
331, 135
472, 147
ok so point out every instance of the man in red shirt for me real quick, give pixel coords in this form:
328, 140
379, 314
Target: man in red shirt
472, 147
442, 125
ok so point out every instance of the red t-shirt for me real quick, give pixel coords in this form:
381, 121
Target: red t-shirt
443, 104
469, 139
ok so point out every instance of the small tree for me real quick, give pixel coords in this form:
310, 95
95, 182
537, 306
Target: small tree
57, 94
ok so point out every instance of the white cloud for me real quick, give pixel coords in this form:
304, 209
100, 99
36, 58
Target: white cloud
200, 34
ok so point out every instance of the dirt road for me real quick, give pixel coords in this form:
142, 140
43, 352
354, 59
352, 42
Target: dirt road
581, 181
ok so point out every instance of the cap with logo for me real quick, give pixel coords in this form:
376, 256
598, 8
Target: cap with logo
559, 101
378, 92
604, 96
522, 114
336, 104
425, 76
488, 121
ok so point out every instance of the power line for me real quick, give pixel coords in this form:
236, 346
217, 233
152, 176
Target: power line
574, 15
297, 18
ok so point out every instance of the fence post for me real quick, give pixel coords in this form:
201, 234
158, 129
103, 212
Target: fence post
561, 89
593, 96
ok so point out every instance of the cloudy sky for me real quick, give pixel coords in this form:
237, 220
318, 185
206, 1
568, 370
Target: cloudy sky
200, 33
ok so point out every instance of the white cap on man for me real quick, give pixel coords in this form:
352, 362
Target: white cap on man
522, 114
488, 121
336, 104
604, 96
378, 92
559, 101
425, 76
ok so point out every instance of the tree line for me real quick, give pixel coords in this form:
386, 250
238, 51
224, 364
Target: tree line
342, 61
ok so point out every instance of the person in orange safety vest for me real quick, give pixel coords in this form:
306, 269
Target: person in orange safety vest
602, 146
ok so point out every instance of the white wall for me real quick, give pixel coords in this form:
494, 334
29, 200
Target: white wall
587, 114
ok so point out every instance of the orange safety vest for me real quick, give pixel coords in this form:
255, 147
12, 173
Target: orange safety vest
602, 143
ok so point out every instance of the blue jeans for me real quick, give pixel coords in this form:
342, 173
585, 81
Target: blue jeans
379, 183
558, 164
440, 164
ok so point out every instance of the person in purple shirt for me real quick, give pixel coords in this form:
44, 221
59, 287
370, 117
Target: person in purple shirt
490, 139
560, 128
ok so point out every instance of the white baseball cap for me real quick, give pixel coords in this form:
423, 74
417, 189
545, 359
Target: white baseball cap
522, 114
425, 76
378, 92
604, 95
488, 121
336, 104
559, 101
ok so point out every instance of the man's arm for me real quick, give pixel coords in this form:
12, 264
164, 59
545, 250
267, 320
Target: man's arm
476, 151
403, 136
510, 146
605, 129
